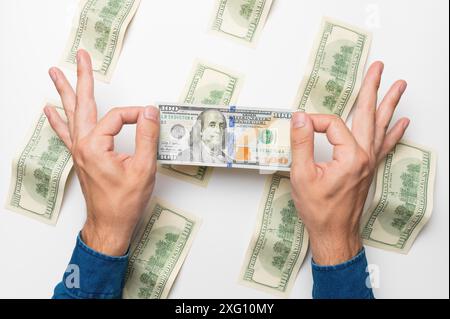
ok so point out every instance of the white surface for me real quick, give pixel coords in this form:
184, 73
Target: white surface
164, 39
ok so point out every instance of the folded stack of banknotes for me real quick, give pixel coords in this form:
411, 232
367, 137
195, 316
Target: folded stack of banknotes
206, 129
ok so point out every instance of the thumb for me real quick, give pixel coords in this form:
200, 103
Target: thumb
147, 137
302, 143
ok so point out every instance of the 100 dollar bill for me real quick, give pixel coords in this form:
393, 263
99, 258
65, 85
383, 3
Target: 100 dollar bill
39, 173
212, 85
403, 200
335, 70
99, 27
225, 137
158, 251
279, 243
240, 20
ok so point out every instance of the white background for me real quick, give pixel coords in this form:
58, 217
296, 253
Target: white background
164, 39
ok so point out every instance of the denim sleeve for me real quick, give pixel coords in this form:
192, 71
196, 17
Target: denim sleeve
92, 275
343, 281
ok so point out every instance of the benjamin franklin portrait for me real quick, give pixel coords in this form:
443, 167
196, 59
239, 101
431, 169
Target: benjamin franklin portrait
207, 139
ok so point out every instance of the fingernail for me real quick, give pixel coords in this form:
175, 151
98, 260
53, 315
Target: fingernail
151, 113
53, 75
403, 87
298, 120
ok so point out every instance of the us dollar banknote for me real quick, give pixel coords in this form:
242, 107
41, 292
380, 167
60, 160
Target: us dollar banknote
158, 251
225, 137
240, 20
212, 85
403, 200
39, 173
279, 243
335, 70
99, 27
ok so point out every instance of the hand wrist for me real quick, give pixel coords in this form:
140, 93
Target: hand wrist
106, 242
334, 250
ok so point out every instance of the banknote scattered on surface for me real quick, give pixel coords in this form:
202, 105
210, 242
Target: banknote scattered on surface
403, 201
225, 137
240, 20
158, 251
39, 173
206, 130
335, 70
212, 85
279, 243
99, 27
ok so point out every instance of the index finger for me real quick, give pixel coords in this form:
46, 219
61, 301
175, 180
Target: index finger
66, 93
334, 127
111, 124
338, 134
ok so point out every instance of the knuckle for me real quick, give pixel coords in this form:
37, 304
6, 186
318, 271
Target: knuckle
145, 170
362, 164
299, 140
82, 151
352, 159
140, 170
300, 175
336, 119
114, 111
364, 159
356, 160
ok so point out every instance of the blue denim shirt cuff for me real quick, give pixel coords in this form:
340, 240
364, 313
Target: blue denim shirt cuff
349, 280
92, 275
